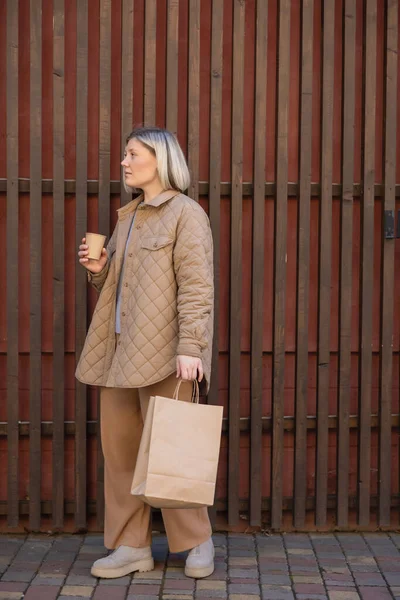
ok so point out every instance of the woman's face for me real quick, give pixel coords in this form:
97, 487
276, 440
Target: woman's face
140, 165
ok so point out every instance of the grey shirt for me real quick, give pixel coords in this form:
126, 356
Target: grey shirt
121, 277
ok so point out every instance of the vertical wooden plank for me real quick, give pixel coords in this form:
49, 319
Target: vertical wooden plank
367, 258
35, 361
215, 184
387, 265
80, 274
150, 19
172, 66
280, 234
127, 83
325, 260
104, 191
260, 116
303, 261
58, 264
194, 97
12, 263
236, 260
346, 249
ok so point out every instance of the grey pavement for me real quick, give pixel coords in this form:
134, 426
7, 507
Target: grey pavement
343, 566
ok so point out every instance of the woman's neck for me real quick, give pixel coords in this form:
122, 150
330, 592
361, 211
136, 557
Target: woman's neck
152, 191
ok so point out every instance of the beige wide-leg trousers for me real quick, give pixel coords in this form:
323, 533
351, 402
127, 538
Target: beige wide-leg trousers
127, 519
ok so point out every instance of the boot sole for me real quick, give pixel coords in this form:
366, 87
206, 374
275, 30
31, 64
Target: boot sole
197, 573
143, 566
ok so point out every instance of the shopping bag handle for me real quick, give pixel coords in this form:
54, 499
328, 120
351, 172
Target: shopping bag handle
195, 392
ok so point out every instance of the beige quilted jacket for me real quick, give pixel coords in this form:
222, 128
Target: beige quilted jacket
166, 296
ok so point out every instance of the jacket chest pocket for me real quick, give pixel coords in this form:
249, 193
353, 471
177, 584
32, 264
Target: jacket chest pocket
155, 243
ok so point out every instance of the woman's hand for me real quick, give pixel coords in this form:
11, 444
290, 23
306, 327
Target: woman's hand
189, 367
94, 266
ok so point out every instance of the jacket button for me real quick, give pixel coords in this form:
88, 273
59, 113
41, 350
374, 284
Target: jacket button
123, 314
130, 254
155, 245
119, 343
138, 226
126, 285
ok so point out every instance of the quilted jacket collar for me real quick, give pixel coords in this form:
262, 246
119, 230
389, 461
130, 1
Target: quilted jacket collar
157, 201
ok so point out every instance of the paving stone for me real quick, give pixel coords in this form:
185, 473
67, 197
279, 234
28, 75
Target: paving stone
11, 595
309, 588
48, 580
10, 586
42, 592
393, 578
213, 594
177, 597
275, 592
140, 597
243, 597
340, 595
75, 579
242, 561
243, 573
204, 584
243, 588
369, 579
141, 588
372, 593
18, 575
179, 584
119, 581
311, 597
274, 579
110, 593
77, 590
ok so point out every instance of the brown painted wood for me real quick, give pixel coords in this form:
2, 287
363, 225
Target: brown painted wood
12, 263
260, 119
325, 259
150, 62
215, 188
280, 239
236, 260
303, 261
58, 264
104, 192
35, 362
126, 83
80, 273
194, 98
346, 270
367, 258
387, 266
172, 66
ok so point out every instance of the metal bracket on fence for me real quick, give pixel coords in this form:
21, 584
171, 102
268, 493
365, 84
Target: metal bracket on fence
389, 225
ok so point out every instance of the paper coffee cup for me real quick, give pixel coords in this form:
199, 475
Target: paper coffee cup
95, 241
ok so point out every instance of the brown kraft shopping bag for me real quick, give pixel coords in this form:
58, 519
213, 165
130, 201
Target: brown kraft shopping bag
178, 454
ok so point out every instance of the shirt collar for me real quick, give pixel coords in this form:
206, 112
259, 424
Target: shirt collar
157, 201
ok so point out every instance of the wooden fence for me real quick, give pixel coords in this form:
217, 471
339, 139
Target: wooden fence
287, 111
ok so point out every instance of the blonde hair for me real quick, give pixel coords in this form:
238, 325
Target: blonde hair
171, 163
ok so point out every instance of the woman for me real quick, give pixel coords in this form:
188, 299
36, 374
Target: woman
153, 323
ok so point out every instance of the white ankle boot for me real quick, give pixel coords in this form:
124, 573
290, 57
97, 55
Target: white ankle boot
122, 561
200, 560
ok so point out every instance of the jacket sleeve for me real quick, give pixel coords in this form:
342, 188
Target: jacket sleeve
97, 280
193, 264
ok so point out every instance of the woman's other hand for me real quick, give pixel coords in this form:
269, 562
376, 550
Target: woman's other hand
94, 266
189, 368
